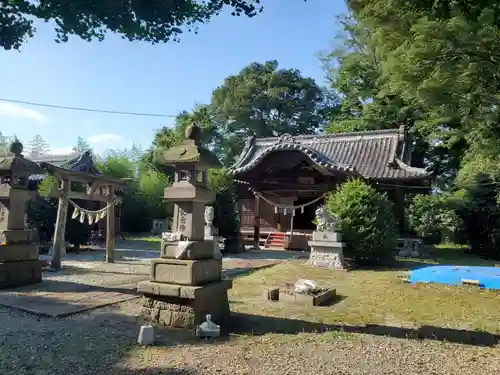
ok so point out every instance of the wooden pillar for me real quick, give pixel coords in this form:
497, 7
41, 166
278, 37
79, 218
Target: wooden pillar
400, 209
277, 215
256, 223
59, 244
110, 226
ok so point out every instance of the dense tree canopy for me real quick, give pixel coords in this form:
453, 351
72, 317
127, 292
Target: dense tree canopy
441, 56
146, 20
354, 72
262, 100
440, 60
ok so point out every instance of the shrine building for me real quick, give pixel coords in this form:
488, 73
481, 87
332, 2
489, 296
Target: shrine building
282, 180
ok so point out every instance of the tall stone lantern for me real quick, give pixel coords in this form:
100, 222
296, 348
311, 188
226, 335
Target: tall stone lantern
185, 283
19, 264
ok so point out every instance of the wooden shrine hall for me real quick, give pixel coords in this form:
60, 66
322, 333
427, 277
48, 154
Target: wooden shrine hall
282, 180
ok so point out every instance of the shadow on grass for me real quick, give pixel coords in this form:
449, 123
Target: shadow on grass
434, 257
247, 324
396, 264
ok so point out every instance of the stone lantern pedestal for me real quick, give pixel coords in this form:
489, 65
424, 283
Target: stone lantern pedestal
185, 283
19, 264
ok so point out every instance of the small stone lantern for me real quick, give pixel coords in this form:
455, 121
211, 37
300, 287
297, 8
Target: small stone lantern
19, 263
185, 283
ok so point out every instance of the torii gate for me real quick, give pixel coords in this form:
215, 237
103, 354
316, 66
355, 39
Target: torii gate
98, 188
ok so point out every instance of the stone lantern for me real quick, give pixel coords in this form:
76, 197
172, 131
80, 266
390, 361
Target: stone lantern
19, 264
185, 283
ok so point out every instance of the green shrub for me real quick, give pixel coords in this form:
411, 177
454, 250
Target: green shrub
366, 221
434, 217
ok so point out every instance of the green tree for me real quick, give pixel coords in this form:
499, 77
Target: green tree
441, 56
167, 137
143, 197
480, 213
354, 71
366, 220
152, 21
4, 143
226, 218
264, 100
117, 164
434, 217
38, 146
81, 146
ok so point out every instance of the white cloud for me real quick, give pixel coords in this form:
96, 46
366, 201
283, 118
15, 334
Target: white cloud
18, 112
110, 138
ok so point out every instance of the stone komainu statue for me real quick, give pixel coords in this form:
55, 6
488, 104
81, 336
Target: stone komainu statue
326, 222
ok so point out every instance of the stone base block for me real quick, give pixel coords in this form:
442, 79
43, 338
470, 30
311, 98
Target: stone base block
10, 236
175, 311
183, 291
13, 274
18, 252
326, 257
195, 250
186, 272
215, 240
327, 236
326, 244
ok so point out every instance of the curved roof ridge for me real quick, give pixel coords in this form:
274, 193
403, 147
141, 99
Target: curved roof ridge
249, 143
314, 156
409, 168
394, 131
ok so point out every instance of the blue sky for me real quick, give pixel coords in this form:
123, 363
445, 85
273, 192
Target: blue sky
139, 77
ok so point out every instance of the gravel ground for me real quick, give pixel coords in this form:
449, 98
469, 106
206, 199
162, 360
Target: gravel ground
103, 342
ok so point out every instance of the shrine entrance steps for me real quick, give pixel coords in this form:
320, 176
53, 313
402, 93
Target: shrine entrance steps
275, 241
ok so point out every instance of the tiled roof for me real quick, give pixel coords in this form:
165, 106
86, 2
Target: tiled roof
74, 162
379, 155
57, 160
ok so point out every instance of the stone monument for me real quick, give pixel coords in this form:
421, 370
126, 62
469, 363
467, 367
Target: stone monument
19, 264
327, 250
211, 231
185, 283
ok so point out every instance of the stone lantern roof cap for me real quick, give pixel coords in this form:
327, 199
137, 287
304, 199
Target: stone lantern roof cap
190, 151
15, 161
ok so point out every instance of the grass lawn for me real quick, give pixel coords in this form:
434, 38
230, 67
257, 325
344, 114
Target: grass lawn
367, 297
377, 326
144, 237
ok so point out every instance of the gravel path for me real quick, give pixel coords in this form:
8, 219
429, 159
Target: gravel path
103, 342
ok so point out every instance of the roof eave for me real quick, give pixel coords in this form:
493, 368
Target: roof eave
312, 155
